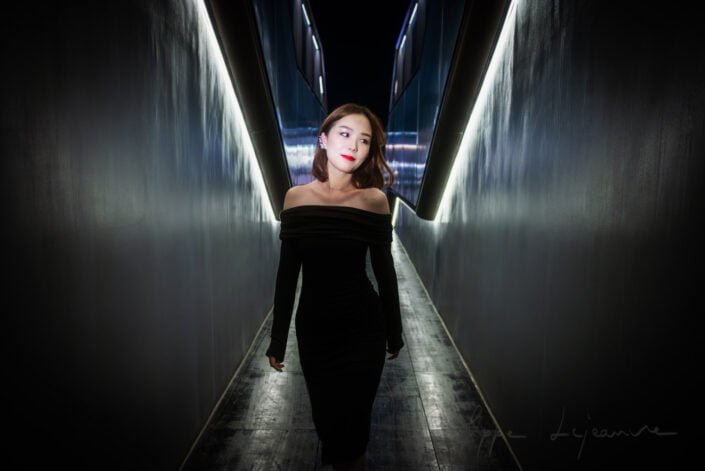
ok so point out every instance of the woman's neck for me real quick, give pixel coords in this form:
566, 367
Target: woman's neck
338, 182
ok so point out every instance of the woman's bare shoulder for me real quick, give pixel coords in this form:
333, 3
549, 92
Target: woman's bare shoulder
295, 195
376, 201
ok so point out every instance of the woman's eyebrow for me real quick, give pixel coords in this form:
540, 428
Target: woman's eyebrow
351, 129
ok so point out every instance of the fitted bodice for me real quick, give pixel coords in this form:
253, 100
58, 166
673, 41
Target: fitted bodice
331, 243
337, 221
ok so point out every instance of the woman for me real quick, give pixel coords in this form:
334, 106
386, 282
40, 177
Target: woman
342, 323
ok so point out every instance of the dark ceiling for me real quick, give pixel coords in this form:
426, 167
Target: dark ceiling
358, 45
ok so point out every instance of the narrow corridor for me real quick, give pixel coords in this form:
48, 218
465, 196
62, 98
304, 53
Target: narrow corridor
427, 414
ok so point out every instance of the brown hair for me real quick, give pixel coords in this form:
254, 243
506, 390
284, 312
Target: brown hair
371, 172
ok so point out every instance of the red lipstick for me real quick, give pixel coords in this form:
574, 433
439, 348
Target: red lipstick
348, 157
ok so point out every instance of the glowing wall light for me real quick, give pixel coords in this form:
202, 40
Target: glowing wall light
395, 211
462, 156
413, 13
231, 106
305, 15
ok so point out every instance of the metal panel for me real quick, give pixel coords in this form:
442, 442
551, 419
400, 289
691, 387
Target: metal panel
141, 245
565, 258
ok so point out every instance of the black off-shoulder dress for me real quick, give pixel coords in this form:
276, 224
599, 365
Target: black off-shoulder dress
342, 323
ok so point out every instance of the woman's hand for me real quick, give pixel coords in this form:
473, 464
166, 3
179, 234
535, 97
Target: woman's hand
394, 355
274, 363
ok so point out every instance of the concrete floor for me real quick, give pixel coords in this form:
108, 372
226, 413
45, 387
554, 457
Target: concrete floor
427, 415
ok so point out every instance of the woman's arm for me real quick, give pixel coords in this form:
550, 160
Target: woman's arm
284, 295
383, 267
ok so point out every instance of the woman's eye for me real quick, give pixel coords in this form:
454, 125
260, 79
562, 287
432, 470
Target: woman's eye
365, 141
344, 134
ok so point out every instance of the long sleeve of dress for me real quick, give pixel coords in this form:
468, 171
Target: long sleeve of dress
383, 268
284, 296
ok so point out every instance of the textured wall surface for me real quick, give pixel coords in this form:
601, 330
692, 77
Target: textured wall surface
141, 249
565, 259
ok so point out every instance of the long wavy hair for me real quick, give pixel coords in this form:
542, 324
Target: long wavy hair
371, 173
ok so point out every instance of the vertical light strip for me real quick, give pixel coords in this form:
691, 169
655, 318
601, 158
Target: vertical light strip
305, 15
413, 13
315, 43
461, 158
403, 40
320, 84
232, 105
395, 210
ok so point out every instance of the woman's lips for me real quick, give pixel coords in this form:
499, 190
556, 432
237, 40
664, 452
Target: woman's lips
348, 157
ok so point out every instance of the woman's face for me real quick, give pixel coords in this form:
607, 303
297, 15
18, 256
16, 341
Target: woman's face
348, 142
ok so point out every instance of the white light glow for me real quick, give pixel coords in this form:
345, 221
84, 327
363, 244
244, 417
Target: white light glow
233, 109
405, 147
395, 211
315, 43
403, 40
305, 14
402, 167
461, 158
300, 155
413, 13
320, 84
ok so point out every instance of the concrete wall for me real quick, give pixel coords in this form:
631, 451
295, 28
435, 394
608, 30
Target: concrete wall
565, 260
140, 250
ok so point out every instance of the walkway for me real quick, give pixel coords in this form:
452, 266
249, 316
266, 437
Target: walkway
427, 414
